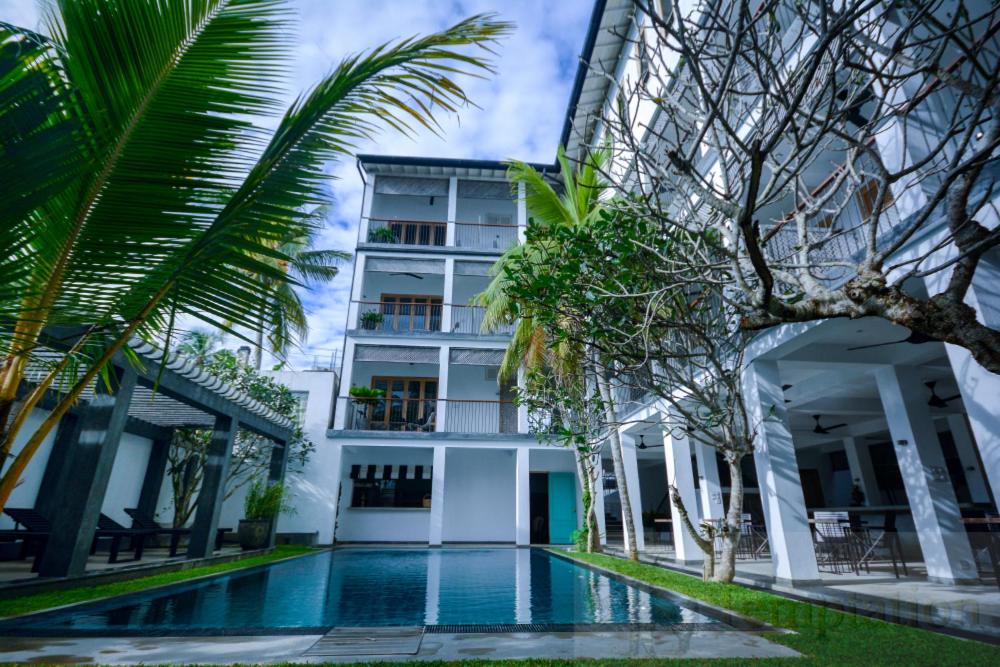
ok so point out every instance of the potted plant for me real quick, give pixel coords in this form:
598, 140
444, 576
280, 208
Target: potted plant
261, 507
365, 392
371, 320
381, 235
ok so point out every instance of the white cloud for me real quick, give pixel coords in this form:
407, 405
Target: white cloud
520, 109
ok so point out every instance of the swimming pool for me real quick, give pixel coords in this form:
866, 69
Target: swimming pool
359, 587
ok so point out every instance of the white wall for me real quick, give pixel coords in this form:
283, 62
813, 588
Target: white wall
377, 283
25, 493
407, 207
475, 210
479, 495
127, 473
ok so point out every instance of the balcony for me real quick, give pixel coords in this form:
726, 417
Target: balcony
426, 415
407, 232
483, 236
400, 317
469, 320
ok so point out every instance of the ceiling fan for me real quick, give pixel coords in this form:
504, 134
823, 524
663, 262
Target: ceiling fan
915, 338
824, 430
936, 401
642, 444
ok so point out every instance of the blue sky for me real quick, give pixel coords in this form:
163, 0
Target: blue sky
520, 114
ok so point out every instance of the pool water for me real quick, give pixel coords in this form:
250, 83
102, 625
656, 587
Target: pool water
358, 587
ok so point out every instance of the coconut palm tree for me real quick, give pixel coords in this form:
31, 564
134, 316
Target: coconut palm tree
287, 316
139, 183
575, 204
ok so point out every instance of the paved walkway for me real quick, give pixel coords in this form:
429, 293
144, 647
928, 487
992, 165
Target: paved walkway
913, 599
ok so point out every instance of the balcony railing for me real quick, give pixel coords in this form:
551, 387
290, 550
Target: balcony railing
469, 320
479, 236
407, 232
421, 415
399, 317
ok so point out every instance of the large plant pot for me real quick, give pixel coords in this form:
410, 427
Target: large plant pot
253, 534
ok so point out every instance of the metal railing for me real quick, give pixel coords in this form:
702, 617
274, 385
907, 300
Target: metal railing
405, 317
469, 320
479, 236
407, 232
421, 415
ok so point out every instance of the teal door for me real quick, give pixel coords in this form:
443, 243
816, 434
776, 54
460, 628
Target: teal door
562, 507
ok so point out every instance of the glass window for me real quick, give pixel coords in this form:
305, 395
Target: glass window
391, 493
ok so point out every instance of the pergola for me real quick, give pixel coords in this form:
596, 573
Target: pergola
149, 401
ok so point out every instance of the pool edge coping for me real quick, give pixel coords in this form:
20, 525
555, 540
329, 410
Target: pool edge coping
737, 621
5, 619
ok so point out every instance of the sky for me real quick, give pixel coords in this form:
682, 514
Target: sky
520, 109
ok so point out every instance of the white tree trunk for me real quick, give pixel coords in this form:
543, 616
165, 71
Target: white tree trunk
731, 526
604, 387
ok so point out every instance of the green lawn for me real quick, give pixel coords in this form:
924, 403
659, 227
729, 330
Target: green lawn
88, 592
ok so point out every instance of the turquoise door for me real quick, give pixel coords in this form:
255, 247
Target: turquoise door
562, 507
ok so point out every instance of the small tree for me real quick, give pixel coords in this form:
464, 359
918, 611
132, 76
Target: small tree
251, 453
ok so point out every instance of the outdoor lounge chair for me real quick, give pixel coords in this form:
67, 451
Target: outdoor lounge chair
36, 523
146, 522
109, 528
29, 533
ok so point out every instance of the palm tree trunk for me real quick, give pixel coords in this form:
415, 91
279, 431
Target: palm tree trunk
731, 527
604, 387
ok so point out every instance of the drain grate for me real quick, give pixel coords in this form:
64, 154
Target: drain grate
367, 641
489, 627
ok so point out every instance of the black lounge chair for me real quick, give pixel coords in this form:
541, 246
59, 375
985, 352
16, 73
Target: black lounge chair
36, 523
143, 521
109, 528
29, 532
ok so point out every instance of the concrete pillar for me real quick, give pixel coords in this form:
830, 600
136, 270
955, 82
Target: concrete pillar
276, 475
366, 210
522, 213
444, 365
631, 465
452, 210
448, 296
50, 488
677, 453
213, 488
862, 471
357, 291
437, 497
942, 536
522, 598
85, 476
793, 557
709, 485
152, 481
341, 420
523, 424
966, 448
522, 497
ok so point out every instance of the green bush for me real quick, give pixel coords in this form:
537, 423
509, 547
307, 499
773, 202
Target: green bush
264, 502
366, 392
381, 235
579, 537
371, 320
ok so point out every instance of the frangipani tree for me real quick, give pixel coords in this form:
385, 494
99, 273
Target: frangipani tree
139, 185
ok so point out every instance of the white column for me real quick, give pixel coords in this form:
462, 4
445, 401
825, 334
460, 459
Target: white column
862, 471
523, 426
448, 297
522, 497
942, 537
522, 594
631, 465
793, 558
966, 448
437, 497
366, 210
332, 459
452, 210
677, 453
444, 364
522, 213
357, 290
347, 372
708, 482
598, 500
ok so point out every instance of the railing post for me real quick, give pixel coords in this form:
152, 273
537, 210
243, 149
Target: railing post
449, 293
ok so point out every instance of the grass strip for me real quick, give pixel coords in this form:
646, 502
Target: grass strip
88, 592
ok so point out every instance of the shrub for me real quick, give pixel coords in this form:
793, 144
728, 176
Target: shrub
264, 502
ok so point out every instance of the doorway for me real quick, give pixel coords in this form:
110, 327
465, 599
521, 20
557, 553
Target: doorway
553, 507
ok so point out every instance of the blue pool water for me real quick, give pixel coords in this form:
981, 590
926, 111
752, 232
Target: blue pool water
366, 588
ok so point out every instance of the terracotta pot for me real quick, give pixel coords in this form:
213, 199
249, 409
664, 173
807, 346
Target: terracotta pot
254, 534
